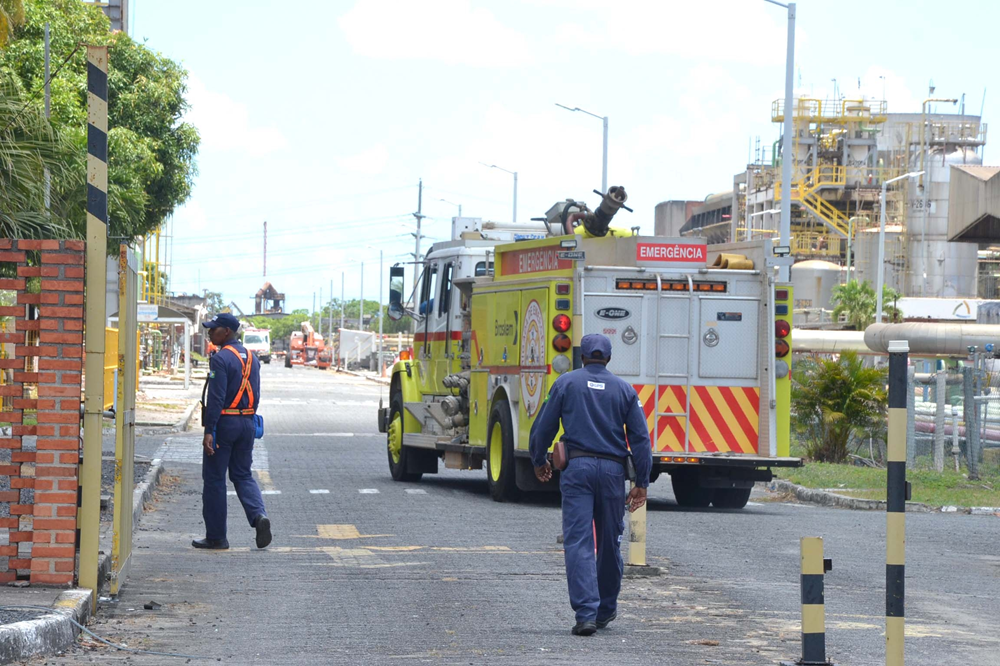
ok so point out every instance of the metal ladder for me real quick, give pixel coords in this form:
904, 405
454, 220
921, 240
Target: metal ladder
657, 375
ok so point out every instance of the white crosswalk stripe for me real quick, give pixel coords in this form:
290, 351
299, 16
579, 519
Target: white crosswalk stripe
416, 491
368, 491
189, 450
320, 492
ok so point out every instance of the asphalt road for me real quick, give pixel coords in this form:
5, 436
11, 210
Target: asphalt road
367, 571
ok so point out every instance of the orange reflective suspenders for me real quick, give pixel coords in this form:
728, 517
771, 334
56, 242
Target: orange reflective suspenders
244, 387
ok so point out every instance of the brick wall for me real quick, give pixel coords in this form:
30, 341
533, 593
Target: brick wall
40, 448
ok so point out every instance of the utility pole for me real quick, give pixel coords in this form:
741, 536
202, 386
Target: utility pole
265, 248
419, 215
313, 315
48, 113
342, 308
319, 313
381, 363
330, 315
361, 311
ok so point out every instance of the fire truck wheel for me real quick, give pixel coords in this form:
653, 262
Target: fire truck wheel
394, 443
500, 472
687, 490
731, 498
288, 360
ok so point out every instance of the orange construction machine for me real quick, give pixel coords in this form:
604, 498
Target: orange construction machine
306, 348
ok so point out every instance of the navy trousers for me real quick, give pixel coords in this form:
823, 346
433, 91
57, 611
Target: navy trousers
593, 497
233, 452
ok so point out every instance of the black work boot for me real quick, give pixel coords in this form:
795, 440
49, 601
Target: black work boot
587, 628
601, 624
211, 544
263, 527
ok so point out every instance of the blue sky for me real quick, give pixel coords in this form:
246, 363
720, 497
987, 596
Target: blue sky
320, 117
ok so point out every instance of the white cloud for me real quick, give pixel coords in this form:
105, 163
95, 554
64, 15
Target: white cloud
722, 30
449, 31
224, 123
370, 162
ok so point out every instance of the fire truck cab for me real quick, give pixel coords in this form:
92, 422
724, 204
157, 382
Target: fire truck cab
702, 333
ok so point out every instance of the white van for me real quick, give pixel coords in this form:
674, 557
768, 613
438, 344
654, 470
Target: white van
258, 341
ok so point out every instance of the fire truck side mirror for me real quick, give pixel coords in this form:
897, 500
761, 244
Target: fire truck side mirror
395, 309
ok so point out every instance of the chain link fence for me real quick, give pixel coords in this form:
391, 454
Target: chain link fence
954, 418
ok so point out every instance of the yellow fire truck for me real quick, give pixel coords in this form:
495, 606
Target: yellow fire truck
702, 333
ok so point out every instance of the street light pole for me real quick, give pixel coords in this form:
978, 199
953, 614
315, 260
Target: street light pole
513, 173
749, 228
881, 242
785, 225
604, 160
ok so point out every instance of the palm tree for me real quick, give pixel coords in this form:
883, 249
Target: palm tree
28, 147
856, 303
838, 402
11, 16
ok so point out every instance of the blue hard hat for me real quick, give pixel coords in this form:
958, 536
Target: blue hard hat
596, 346
223, 319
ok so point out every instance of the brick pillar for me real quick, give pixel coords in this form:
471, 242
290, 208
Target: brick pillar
60, 364
15, 542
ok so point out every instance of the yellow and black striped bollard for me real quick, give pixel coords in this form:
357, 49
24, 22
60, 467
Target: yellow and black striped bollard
896, 496
97, 251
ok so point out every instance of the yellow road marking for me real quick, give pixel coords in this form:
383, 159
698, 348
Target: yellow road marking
264, 479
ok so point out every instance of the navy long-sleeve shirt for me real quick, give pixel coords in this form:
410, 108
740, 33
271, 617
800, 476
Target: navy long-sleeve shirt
597, 410
224, 378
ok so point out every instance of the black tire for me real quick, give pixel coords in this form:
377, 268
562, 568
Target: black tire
397, 465
687, 491
731, 498
288, 360
500, 472
267, 360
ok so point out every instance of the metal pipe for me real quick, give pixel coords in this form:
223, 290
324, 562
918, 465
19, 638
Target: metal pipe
932, 339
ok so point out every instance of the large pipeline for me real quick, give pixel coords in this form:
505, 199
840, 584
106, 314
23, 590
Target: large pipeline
933, 339
828, 342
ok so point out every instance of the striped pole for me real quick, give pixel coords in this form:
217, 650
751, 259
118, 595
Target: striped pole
895, 554
96, 280
813, 609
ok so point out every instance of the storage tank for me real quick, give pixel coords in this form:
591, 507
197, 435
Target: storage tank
866, 256
813, 282
939, 268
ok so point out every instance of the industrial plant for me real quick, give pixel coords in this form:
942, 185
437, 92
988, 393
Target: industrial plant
939, 215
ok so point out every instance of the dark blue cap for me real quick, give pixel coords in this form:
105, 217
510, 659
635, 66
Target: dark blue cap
223, 319
596, 346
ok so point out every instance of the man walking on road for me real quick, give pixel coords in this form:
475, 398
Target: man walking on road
597, 410
233, 396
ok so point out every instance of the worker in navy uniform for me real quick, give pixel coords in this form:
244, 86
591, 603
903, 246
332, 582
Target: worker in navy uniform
233, 397
603, 423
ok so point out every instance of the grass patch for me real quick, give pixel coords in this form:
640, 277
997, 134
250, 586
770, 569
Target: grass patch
948, 488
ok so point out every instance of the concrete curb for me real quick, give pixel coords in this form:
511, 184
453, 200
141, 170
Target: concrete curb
826, 498
47, 634
183, 424
377, 380
54, 632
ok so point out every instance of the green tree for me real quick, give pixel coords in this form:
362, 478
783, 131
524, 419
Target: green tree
837, 404
151, 151
856, 303
214, 302
283, 328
